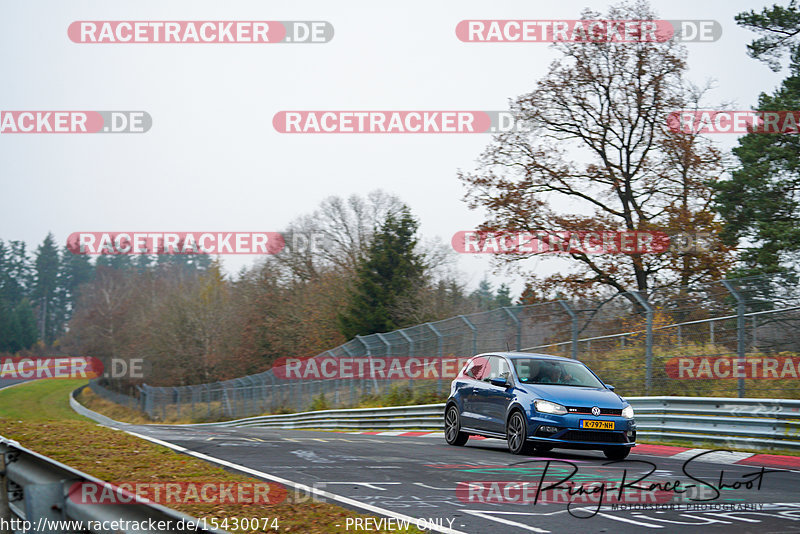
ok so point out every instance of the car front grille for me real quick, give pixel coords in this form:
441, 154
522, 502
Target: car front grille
594, 435
583, 410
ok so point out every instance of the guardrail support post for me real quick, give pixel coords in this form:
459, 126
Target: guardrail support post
740, 349
519, 327
648, 381
574, 320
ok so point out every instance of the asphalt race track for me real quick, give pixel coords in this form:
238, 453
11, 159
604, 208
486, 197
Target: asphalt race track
417, 477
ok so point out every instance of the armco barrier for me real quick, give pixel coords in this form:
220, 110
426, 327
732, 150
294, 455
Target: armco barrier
749, 423
36, 488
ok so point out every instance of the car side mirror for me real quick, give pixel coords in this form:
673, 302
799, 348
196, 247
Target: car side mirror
609, 386
499, 381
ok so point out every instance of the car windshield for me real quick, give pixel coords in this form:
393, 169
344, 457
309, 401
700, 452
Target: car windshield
540, 371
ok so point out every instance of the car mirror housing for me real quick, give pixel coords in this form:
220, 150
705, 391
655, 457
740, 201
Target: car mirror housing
609, 386
499, 381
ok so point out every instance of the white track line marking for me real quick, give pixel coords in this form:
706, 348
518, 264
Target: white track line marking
302, 487
716, 457
491, 517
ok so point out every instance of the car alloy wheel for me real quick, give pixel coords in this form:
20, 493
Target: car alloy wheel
516, 432
452, 428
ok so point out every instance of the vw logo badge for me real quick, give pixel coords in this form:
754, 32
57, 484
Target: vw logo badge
595, 411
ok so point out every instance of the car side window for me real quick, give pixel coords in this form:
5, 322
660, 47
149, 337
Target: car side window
477, 368
504, 369
498, 367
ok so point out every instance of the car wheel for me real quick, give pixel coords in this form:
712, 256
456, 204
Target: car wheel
617, 453
516, 433
452, 427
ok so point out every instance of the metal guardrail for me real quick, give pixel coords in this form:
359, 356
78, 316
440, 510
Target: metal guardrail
41, 490
750, 423
423, 417
628, 336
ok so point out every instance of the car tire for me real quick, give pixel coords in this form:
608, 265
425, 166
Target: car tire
617, 453
516, 433
452, 427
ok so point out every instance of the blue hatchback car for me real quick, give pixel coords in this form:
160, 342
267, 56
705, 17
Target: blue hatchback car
540, 402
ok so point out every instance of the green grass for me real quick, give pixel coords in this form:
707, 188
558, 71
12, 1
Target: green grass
43, 400
38, 416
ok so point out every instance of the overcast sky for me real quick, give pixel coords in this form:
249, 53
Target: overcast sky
212, 160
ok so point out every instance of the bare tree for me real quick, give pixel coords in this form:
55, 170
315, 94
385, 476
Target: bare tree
597, 156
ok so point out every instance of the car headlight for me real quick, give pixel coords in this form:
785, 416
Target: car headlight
627, 412
549, 407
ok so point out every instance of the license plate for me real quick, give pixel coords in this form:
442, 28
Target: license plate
597, 425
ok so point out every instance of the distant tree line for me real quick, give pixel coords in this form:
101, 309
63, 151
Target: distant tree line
193, 323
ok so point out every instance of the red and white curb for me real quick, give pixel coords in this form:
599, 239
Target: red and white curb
663, 451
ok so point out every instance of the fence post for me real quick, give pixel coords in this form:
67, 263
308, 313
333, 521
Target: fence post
474, 334
440, 351
519, 327
410, 343
369, 357
143, 398
388, 353
648, 343
574, 320
352, 380
177, 397
739, 333
335, 383
271, 391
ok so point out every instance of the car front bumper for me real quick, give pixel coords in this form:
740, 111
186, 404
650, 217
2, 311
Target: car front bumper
570, 433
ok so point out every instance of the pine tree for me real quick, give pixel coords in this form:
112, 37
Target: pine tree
74, 271
503, 297
760, 204
46, 290
390, 272
483, 296
26, 323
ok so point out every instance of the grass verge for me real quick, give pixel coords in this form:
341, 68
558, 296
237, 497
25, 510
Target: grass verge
38, 416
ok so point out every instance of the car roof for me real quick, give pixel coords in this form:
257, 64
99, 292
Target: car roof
526, 355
